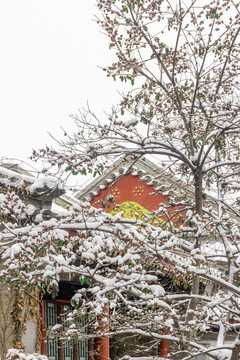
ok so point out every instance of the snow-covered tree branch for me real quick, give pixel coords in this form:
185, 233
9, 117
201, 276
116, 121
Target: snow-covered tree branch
181, 60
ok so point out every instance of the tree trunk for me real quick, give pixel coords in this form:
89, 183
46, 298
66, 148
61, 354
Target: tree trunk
235, 353
198, 191
195, 278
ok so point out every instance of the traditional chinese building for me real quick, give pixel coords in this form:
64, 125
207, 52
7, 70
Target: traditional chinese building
134, 188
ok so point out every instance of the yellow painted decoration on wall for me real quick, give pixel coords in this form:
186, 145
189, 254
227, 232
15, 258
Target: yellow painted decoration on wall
115, 192
133, 210
138, 191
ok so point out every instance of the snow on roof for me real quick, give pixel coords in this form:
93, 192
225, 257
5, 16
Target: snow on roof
44, 187
145, 169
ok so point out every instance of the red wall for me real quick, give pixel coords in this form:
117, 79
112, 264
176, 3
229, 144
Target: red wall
131, 188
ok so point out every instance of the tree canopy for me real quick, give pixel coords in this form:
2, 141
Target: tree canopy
181, 61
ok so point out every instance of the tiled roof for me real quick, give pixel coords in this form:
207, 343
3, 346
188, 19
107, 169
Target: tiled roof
143, 168
15, 177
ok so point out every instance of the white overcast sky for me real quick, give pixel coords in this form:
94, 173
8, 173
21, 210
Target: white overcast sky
50, 53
